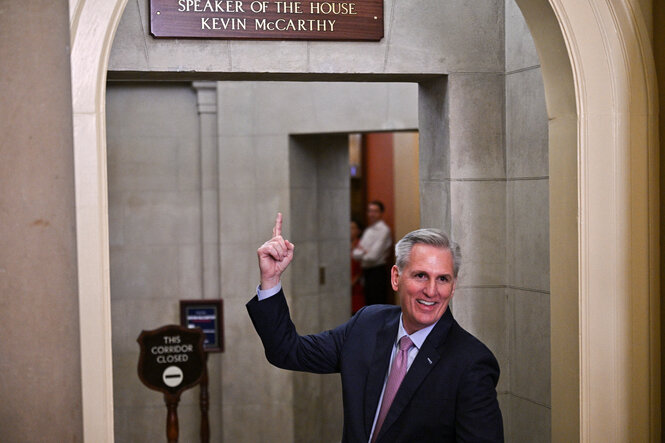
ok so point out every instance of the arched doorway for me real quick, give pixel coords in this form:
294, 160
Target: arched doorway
598, 80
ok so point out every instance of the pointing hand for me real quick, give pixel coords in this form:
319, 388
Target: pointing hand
274, 256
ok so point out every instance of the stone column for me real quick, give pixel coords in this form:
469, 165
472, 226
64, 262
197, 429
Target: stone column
40, 369
463, 192
320, 296
206, 94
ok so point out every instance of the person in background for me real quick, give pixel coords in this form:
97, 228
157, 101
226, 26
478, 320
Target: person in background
373, 252
357, 290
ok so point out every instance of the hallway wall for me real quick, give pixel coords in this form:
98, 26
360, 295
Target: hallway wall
379, 174
407, 193
527, 235
155, 244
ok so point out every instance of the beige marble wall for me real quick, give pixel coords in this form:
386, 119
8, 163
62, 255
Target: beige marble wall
406, 176
40, 354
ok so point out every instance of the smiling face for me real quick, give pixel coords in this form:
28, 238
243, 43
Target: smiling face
425, 286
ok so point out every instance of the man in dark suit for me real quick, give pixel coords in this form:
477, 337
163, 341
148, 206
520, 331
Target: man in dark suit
449, 391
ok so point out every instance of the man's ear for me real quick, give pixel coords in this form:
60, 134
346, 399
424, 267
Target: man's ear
452, 292
394, 277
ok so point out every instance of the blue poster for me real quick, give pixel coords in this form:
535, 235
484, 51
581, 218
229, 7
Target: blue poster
206, 318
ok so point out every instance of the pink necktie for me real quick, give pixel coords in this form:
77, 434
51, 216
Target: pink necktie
397, 372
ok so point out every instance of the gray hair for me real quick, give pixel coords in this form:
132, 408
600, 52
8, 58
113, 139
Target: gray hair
428, 236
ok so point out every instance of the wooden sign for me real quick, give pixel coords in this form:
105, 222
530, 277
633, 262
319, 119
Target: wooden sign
268, 19
171, 358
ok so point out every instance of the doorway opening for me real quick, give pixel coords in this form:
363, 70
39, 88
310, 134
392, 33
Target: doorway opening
384, 166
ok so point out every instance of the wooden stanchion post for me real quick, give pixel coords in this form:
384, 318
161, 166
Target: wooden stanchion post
172, 417
205, 425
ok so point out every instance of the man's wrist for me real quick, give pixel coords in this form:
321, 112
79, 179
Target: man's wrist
269, 283
266, 293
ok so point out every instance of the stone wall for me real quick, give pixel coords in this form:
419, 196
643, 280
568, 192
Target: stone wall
155, 243
527, 235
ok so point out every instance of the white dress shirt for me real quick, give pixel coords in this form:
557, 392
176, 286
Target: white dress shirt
374, 246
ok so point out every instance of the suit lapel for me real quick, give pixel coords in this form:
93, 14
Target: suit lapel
427, 358
385, 339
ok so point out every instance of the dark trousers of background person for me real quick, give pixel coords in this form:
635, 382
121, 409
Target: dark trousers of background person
377, 284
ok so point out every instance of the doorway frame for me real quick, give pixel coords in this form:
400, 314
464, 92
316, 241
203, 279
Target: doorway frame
599, 78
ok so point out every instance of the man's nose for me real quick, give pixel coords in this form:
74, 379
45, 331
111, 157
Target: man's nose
430, 288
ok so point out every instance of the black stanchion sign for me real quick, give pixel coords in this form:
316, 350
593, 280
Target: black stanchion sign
171, 358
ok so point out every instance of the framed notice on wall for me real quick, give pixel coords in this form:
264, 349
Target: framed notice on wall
208, 316
359, 20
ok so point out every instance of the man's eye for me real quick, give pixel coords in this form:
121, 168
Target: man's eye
420, 275
444, 278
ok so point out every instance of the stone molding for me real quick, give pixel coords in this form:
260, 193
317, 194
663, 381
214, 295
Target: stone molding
206, 95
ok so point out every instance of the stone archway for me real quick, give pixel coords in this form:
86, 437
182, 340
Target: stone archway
605, 360
599, 81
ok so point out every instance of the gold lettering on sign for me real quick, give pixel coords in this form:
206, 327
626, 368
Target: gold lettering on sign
289, 7
282, 24
223, 23
259, 6
327, 8
210, 6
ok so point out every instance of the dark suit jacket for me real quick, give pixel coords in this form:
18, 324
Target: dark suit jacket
448, 394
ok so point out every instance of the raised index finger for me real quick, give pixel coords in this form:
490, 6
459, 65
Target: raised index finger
277, 230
